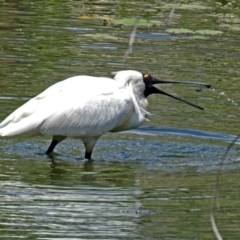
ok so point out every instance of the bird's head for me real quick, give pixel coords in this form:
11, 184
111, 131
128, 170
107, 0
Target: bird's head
144, 82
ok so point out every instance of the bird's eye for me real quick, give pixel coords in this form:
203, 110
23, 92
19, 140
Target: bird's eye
146, 78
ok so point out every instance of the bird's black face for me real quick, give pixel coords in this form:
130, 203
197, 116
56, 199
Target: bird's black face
149, 81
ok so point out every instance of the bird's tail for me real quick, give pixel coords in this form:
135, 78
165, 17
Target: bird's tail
18, 128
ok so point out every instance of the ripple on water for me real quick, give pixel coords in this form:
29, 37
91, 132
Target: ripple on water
49, 211
168, 149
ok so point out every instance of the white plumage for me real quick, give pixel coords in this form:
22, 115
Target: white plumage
85, 107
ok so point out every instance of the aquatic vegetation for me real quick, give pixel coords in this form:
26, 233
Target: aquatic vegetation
185, 31
185, 6
208, 32
140, 22
233, 27
105, 20
101, 36
179, 31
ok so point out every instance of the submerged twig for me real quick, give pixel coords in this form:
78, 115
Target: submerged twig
216, 188
131, 41
171, 13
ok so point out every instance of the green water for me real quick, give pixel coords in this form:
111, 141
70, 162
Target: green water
156, 183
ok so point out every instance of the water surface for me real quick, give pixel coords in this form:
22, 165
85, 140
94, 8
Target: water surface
155, 182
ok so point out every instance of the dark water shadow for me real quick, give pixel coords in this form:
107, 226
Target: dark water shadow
156, 130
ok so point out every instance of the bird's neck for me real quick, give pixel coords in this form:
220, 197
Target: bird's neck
140, 102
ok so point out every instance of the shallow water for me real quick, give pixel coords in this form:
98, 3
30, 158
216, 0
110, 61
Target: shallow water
154, 182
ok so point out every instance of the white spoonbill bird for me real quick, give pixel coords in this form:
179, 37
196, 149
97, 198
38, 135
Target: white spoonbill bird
87, 107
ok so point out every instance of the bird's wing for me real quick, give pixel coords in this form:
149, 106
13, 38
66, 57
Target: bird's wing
90, 117
79, 102
80, 85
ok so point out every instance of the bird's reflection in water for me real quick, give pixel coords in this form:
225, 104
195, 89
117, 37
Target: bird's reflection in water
61, 170
88, 166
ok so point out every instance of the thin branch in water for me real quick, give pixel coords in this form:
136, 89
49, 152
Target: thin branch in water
214, 227
131, 41
216, 189
171, 13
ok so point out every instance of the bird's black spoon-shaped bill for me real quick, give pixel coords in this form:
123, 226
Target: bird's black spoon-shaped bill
156, 81
158, 91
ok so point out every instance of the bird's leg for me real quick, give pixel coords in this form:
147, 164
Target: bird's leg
89, 144
88, 155
54, 143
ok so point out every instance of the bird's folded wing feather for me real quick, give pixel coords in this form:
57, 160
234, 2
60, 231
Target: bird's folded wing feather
89, 104
94, 117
